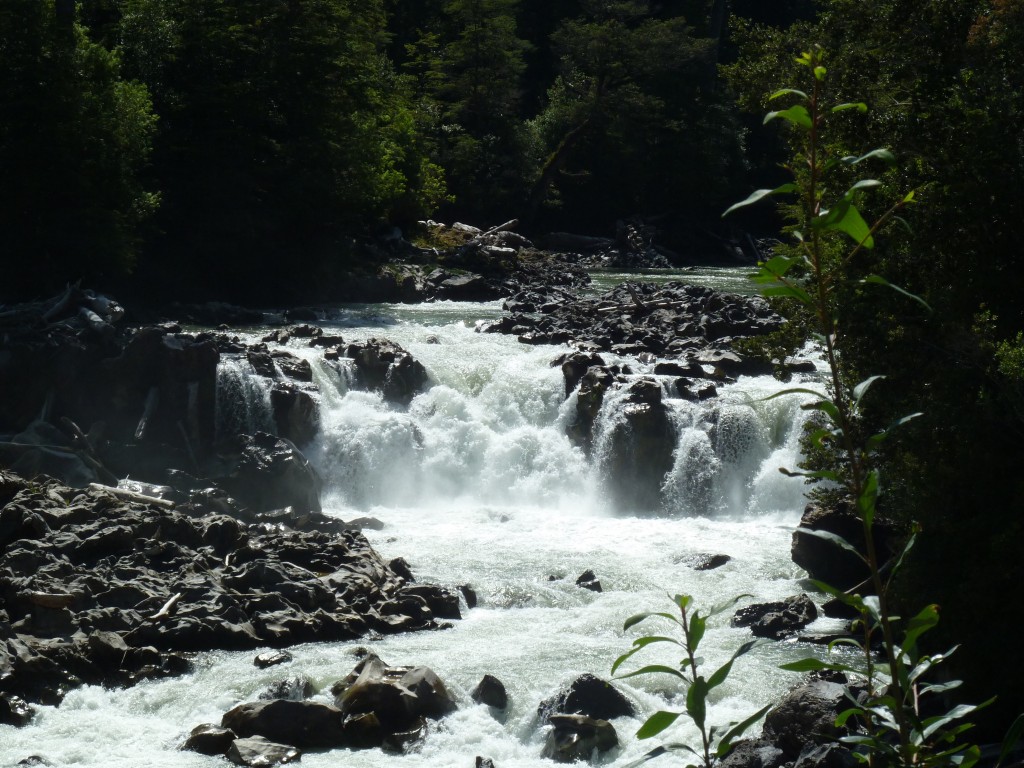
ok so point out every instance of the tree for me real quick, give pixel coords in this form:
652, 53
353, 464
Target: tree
74, 140
284, 132
630, 124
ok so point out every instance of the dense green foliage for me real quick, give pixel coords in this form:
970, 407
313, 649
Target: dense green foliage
245, 149
946, 84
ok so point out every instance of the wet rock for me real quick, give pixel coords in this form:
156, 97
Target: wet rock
490, 691
258, 751
830, 755
706, 562
209, 739
296, 689
575, 737
484, 762
442, 603
267, 472
303, 724
272, 659
777, 619
588, 580
469, 595
387, 368
806, 716
753, 753
640, 445
826, 561
296, 413
469, 287
396, 696
591, 696
14, 710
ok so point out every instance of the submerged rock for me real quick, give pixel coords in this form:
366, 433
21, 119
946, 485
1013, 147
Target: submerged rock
778, 619
576, 737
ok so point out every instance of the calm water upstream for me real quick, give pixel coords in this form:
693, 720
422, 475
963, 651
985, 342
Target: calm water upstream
476, 483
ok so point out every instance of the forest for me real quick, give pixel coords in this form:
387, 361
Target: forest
250, 149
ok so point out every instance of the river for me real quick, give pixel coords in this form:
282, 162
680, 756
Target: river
476, 483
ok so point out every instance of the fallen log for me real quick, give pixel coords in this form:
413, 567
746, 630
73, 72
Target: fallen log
127, 495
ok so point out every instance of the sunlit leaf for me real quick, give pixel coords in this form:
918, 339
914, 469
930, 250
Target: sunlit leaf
760, 195
797, 115
786, 92
862, 388
738, 730
657, 723
652, 669
835, 538
860, 106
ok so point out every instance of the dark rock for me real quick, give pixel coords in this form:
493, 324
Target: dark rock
778, 619
588, 580
469, 594
396, 696
575, 737
303, 724
806, 716
830, 755
258, 751
14, 710
387, 368
296, 414
591, 696
484, 762
753, 753
293, 367
575, 366
401, 568
296, 689
442, 603
468, 287
706, 562
267, 472
639, 451
272, 659
209, 739
490, 691
826, 561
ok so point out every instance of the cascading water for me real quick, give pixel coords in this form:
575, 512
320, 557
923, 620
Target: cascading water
476, 483
243, 398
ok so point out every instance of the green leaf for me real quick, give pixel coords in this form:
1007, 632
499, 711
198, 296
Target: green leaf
786, 92
862, 184
844, 217
876, 440
698, 624
722, 672
654, 669
737, 730
760, 195
789, 292
696, 701
725, 605
881, 154
904, 552
657, 723
821, 474
861, 389
879, 280
796, 115
827, 407
633, 620
868, 498
860, 106
820, 72
917, 626
933, 724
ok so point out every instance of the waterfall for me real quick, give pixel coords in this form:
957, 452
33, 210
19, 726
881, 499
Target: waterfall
476, 482
243, 399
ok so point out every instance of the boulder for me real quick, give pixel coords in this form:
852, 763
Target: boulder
826, 561
209, 739
259, 752
806, 716
296, 689
591, 696
14, 710
588, 580
296, 413
387, 368
266, 472
396, 696
777, 619
575, 737
753, 753
490, 691
272, 659
303, 724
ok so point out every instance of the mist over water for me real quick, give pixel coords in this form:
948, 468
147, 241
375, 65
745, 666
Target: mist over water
476, 483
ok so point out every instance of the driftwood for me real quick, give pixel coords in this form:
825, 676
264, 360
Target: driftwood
507, 226
165, 611
642, 307
86, 451
123, 493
